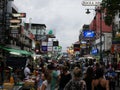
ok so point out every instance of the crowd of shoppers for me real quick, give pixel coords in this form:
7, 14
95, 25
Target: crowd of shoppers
86, 75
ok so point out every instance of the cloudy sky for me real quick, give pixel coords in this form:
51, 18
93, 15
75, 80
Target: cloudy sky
66, 17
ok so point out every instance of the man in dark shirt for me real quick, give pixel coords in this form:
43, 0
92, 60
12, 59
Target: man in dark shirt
64, 77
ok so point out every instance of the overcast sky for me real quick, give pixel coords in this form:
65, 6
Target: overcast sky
66, 17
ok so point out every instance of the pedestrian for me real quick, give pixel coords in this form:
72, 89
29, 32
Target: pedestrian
54, 75
111, 75
100, 83
64, 78
27, 71
89, 77
76, 83
46, 78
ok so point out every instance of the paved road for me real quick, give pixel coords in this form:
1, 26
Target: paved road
117, 88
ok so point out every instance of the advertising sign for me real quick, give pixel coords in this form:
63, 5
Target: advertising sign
50, 48
76, 47
91, 2
14, 26
15, 21
44, 43
50, 43
20, 15
44, 48
94, 51
88, 34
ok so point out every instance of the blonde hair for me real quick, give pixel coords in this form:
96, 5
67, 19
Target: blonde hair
77, 72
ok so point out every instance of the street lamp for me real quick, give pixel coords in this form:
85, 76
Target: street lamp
99, 10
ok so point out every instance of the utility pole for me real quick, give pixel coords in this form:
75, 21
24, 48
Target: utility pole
100, 11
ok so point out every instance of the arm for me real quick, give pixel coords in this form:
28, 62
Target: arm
84, 87
107, 85
43, 87
92, 84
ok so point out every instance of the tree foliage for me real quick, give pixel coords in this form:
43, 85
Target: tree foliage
112, 7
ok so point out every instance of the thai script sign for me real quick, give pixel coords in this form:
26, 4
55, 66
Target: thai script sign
91, 2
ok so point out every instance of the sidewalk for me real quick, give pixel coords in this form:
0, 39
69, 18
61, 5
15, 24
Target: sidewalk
117, 88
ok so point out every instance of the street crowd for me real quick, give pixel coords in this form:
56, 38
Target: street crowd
85, 75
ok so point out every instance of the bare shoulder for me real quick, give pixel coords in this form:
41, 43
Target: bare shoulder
95, 82
104, 83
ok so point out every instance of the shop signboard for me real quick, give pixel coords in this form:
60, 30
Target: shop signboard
94, 51
15, 21
91, 2
14, 26
50, 43
50, 48
15, 31
20, 15
44, 43
44, 48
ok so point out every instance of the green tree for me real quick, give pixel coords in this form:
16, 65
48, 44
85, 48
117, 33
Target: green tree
112, 7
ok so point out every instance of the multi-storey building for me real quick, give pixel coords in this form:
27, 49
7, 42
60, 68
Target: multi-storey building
98, 24
11, 31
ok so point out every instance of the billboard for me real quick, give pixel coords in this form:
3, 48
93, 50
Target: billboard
94, 51
88, 34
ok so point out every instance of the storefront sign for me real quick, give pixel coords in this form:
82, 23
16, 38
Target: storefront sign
91, 2
22, 15
15, 21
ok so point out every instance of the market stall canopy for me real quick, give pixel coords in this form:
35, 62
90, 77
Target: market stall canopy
17, 51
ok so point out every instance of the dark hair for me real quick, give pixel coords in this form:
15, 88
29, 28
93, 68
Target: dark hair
90, 72
50, 66
99, 73
47, 76
64, 68
28, 65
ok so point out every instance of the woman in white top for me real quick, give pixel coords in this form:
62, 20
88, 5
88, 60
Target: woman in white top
46, 81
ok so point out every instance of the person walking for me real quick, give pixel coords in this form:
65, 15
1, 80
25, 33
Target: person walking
46, 78
27, 71
89, 75
64, 77
76, 83
54, 75
100, 83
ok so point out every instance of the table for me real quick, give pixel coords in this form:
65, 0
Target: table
118, 76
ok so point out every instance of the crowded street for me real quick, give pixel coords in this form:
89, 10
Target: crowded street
59, 45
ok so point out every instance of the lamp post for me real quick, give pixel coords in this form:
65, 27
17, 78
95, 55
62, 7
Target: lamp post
99, 10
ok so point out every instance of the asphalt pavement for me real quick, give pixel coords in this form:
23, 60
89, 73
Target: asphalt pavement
117, 88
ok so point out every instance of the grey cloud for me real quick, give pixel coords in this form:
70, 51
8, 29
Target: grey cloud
65, 16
